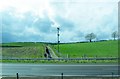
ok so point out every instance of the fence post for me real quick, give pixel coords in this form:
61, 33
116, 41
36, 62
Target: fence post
17, 76
61, 75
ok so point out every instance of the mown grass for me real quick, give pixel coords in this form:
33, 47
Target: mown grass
93, 49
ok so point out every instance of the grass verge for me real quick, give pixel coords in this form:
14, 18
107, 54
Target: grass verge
59, 61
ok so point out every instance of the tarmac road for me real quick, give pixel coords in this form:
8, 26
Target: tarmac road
9, 69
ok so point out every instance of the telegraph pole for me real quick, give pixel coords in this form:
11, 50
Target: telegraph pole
58, 34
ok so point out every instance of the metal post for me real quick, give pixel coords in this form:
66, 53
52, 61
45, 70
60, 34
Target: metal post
61, 75
58, 38
17, 76
112, 75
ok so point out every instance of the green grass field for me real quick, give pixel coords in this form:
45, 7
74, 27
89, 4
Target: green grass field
99, 49
73, 50
23, 50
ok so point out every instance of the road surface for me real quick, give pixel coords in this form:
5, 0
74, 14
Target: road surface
56, 70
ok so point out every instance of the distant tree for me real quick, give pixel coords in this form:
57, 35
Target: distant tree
114, 35
90, 36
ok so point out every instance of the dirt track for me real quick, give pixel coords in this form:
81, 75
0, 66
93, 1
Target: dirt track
52, 52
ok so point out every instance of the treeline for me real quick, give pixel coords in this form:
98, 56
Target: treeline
92, 36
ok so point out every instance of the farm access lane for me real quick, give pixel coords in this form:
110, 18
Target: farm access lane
9, 69
52, 52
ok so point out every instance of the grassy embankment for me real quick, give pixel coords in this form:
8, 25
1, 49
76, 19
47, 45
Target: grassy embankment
93, 49
22, 50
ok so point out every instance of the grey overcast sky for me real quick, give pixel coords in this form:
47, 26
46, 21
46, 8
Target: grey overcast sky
37, 20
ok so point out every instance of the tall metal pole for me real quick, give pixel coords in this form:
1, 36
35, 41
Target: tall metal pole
58, 37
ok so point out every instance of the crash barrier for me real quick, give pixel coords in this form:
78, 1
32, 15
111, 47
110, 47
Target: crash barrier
98, 58
112, 76
63, 76
17, 76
